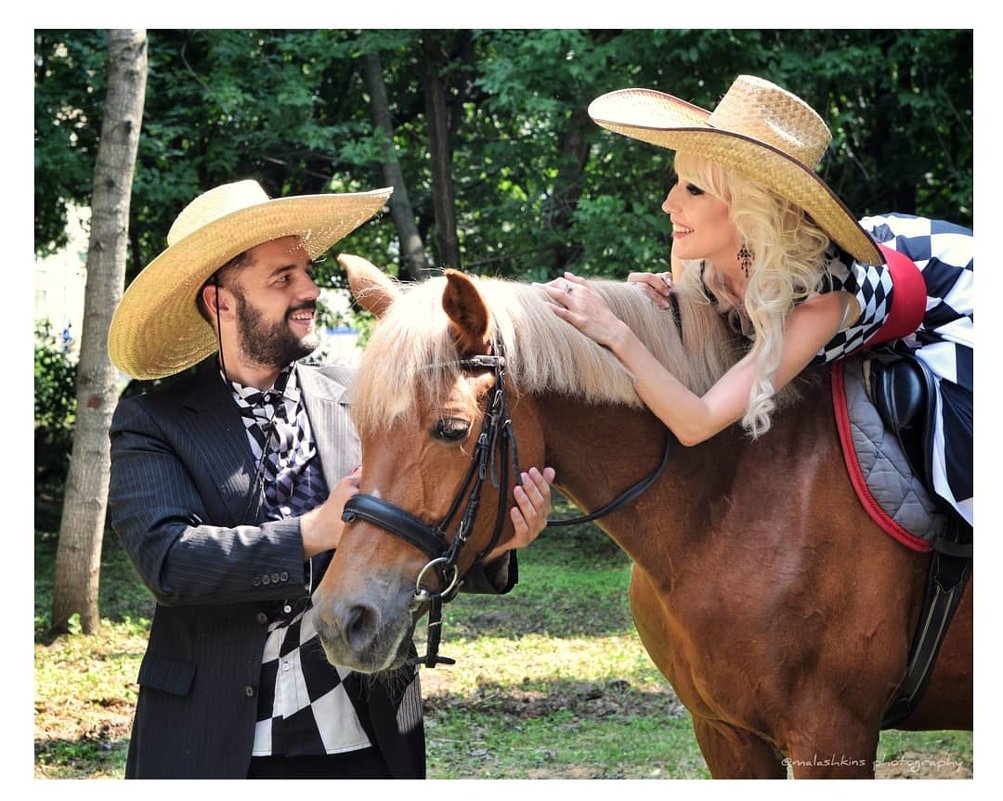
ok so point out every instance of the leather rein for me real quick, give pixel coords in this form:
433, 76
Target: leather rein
496, 454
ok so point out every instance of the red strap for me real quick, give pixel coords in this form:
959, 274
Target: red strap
908, 300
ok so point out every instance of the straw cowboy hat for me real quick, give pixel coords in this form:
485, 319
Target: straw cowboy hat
157, 330
759, 130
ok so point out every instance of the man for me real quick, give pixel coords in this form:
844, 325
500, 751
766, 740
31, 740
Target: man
227, 488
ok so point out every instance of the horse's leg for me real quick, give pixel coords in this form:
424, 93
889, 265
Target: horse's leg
733, 753
834, 745
730, 752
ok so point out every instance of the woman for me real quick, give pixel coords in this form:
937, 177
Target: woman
756, 230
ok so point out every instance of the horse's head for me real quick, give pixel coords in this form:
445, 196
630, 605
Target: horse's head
419, 404
427, 378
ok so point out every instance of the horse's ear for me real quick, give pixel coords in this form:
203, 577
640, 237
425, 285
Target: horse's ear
371, 287
469, 316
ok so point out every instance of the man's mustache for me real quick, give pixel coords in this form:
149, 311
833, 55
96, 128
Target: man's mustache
308, 305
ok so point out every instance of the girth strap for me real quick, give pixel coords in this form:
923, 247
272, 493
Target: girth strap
948, 577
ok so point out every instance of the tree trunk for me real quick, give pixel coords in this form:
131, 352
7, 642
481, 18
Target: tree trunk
447, 244
414, 265
78, 558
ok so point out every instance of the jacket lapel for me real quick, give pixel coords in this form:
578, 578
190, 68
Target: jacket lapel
211, 419
327, 405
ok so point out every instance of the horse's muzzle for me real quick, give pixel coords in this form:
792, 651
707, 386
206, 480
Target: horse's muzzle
363, 635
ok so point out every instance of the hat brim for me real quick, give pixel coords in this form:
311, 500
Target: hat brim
668, 122
157, 331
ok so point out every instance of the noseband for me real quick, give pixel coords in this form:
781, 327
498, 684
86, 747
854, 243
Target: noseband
495, 452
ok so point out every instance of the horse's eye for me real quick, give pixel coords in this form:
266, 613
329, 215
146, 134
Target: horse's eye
451, 429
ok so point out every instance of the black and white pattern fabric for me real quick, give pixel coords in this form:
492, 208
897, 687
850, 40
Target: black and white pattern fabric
945, 341
281, 441
871, 287
303, 706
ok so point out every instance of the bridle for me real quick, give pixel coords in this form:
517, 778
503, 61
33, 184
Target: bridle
495, 453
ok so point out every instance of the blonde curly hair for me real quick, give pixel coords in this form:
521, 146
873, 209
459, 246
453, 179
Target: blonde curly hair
788, 250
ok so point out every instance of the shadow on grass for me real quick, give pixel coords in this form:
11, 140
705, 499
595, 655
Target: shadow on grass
572, 582
534, 699
87, 757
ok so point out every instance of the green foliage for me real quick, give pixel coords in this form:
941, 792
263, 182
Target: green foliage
55, 380
55, 405
69, 85
538, 187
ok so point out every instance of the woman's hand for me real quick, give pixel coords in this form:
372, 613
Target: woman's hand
583, 307
655, 285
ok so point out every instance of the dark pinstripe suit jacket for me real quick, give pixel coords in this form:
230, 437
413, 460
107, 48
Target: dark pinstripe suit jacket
181, 501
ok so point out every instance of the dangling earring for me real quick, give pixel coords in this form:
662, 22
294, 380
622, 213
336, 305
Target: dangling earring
745, 259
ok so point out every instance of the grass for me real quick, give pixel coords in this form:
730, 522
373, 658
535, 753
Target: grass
550, 682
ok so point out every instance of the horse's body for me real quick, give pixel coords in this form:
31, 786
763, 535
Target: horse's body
780, 613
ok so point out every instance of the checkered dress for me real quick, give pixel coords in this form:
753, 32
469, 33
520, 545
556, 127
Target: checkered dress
303, 706
944, 341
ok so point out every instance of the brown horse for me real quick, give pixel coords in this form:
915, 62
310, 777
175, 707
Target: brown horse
781, 615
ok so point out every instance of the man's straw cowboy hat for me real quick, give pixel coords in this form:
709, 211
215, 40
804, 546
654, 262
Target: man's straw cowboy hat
759, 130
157, 330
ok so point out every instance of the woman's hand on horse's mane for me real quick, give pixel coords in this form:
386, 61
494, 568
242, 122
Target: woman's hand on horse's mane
531, 510
577, 303
655, 285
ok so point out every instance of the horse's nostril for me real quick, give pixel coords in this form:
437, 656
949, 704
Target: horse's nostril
360, 626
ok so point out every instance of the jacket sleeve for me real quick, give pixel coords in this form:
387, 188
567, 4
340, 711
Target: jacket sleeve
157, 506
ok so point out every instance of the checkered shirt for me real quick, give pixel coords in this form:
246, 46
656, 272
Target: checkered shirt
303, 706
871, 285
942, 252
944, 341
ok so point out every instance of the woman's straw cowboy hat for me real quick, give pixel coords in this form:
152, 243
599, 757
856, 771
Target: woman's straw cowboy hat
157, 330
759, 130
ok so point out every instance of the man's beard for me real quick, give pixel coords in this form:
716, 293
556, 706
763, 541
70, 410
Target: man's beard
271, 344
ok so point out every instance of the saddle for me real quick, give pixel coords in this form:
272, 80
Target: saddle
902, 390
903, 393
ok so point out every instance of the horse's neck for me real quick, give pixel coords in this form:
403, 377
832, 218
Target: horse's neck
711, 490
600, 451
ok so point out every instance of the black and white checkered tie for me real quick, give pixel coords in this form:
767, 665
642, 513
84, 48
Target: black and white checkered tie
280, 439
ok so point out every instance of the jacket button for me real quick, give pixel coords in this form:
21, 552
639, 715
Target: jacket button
249, 691
284, 575
261, 617
265, 579
275, 578
256, 582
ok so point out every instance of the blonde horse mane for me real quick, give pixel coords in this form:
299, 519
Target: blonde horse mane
412, 352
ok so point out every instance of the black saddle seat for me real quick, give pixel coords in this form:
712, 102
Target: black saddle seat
903, 391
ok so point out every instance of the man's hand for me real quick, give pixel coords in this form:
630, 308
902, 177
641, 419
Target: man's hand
529, 515
321, 527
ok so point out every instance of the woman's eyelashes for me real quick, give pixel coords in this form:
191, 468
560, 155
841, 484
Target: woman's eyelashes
691, 188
